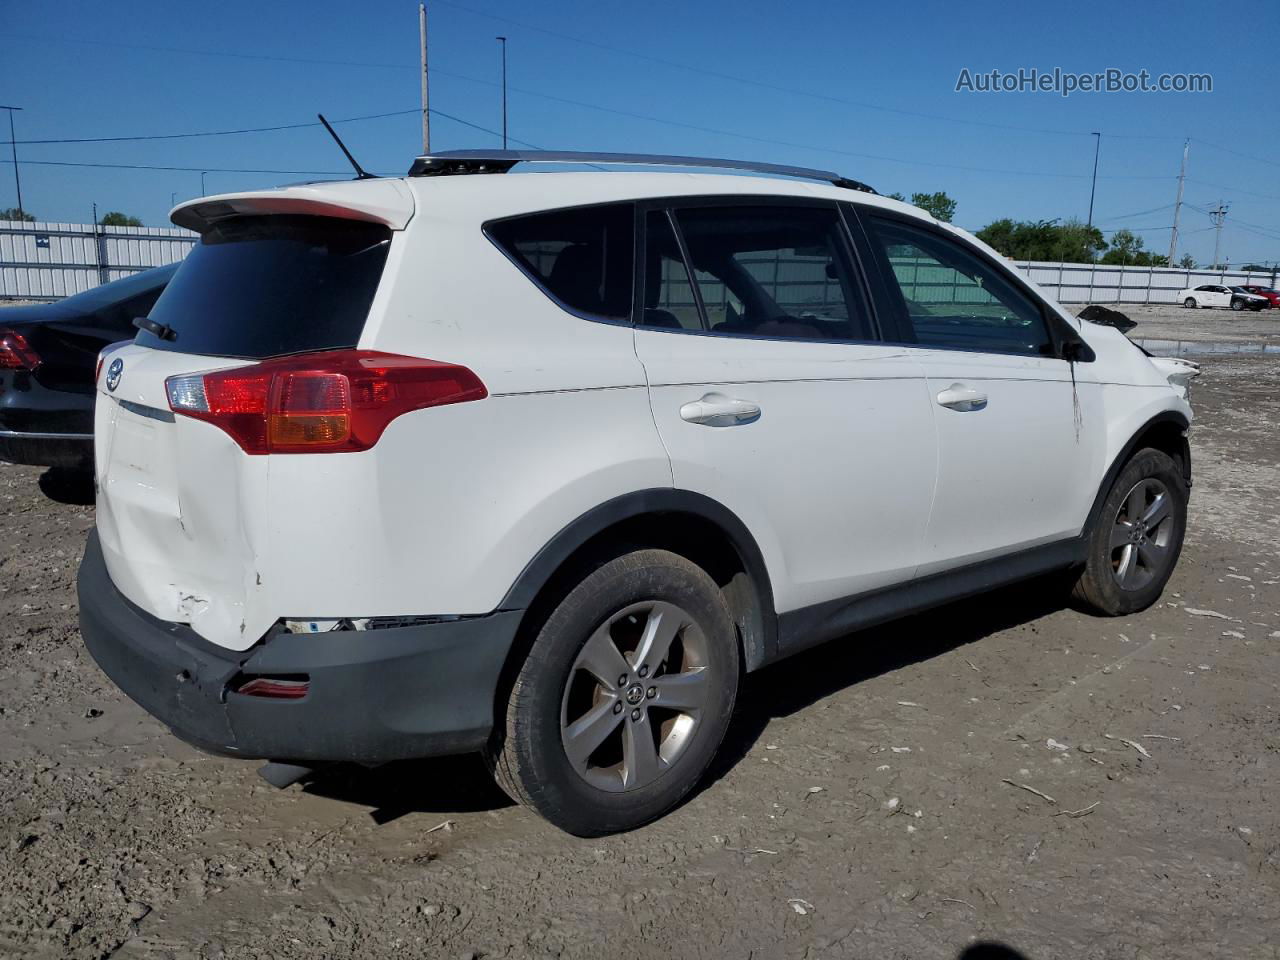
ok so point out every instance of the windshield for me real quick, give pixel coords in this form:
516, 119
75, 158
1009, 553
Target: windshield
257, 287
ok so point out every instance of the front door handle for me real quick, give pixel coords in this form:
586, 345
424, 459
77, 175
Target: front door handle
958, 396
717, 410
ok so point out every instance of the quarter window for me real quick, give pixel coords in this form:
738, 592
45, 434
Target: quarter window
955, 299
769, 271
582, 258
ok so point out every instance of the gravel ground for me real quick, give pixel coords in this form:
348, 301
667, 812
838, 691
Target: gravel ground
1173, 322
871, 803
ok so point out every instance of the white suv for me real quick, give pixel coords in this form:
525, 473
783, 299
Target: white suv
539, 464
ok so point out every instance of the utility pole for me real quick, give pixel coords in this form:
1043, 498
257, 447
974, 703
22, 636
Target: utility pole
203, 192
503, 41
1217, 216
13, 144
1177, 206
1097, 145
426, 108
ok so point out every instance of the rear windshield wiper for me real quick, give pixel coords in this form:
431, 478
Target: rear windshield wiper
156, 328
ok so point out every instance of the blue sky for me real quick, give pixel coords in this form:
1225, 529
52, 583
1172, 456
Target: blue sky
865, 89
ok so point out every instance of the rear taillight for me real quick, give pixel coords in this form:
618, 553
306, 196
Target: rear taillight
332, 402
15, 352
274, 688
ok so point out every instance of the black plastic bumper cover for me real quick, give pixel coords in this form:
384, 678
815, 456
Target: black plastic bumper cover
374, 695
48, 451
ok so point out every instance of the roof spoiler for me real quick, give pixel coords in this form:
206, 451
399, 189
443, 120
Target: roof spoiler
457, 162
388, 202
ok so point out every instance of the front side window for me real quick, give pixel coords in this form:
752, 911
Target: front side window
955, 299
772, 271
582, 258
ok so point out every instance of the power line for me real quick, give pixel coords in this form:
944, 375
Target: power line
272, 129
794, 91
217, 133
1140, 213
206, 169
603, 109
598, 107
791, 144
1248, 228
1237, 153
185, 51
1218, 186
146, 166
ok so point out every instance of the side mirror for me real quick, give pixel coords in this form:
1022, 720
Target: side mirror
1077, 351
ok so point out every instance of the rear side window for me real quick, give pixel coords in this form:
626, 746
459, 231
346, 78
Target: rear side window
773, 271
581, 258
954, 298
257, 287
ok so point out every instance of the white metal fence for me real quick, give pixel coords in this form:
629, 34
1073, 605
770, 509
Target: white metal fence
1103, 283
48, 261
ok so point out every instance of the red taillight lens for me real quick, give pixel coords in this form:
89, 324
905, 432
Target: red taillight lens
16, 353
310, 409
339, 401
274, 688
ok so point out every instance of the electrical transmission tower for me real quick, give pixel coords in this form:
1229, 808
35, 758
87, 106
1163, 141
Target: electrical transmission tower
1217, 215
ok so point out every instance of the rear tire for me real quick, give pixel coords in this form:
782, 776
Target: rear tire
1137, 539
623, 699
1189, 303
1237, 305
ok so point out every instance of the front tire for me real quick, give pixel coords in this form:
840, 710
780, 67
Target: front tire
624, 697
1137, 539
1189, 303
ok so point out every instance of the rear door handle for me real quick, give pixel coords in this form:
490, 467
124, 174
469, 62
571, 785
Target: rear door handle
959, 396
717, 410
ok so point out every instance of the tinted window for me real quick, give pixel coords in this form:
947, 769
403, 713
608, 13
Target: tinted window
773, 271
668, 294
954, 298
258, 287
581, 258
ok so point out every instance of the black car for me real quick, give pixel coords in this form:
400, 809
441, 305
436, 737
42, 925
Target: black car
48, 354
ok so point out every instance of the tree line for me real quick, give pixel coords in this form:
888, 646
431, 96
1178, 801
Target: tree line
1060, 241
112, 219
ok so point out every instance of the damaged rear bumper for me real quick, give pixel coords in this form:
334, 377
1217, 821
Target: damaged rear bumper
373, 696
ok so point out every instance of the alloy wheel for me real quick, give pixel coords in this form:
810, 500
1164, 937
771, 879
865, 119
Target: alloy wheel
1141, 537
634, 696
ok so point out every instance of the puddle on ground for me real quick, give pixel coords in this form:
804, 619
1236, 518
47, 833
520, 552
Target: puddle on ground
1190, 348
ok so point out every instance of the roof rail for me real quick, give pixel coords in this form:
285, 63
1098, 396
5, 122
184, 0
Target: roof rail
455, 162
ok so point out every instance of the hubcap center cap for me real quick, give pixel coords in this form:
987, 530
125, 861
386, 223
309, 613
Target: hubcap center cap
635, 693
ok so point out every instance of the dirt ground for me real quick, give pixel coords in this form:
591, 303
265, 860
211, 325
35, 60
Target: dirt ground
1173, 322
875, 801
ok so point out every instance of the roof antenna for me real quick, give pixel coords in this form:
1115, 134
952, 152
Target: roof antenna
361, 173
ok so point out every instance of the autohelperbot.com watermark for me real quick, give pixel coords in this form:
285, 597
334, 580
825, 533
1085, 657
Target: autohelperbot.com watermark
1065, 82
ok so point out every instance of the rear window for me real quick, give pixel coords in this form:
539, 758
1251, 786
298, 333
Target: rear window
581, 258
257, 287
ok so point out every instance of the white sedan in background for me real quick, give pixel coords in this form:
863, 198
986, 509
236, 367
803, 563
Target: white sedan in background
1217, 295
